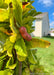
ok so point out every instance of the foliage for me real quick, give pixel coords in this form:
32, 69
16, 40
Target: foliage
15, 49
47, 55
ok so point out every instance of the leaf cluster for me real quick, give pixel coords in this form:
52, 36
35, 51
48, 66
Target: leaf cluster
13, 47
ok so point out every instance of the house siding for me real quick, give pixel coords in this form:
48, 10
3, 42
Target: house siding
38, 28
45, 25
41, 26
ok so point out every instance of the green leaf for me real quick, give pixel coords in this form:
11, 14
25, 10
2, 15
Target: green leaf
4, 24
2, 4
29, 12
32, 57
28, 17
2, 58
6, 72
32, 67
8, 46
16, 69
24, 0
12, 26
2, 29
10, 64
17, 5
3, 38
1, 1
27, 20
26, 71
21, 48
21, 58
4, 14
25, 11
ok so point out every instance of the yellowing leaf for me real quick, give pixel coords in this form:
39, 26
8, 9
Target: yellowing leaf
13, 38
8, 1
3, 14
2, 4
4, 31
9, 51
12, 66
38, 43
12, 26
24, 0
3, 38
8, 46
6, 72
21, 58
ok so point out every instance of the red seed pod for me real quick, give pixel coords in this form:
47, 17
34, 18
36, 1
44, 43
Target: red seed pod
24, 33
22, 30
26, 36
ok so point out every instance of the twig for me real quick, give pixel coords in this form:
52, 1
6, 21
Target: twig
20, 68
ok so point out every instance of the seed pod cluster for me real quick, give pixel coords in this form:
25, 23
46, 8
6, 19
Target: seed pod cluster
24, 33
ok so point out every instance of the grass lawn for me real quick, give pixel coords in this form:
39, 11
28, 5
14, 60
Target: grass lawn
46, 55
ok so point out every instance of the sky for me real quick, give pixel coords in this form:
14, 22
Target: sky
46, 6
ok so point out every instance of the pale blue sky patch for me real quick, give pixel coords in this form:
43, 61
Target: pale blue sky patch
46, 2
46, 6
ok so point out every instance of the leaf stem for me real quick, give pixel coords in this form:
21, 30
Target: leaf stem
20, 68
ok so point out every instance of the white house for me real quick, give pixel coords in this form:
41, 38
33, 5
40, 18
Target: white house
41, 25
52, 32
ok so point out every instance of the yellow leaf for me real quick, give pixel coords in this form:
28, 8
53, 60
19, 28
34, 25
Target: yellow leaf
8, 1
13, 38
10, 64
39, 43
8, 46
21, 58
6, 72
3, 14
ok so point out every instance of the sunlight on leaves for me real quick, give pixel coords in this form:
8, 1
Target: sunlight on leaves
3, 14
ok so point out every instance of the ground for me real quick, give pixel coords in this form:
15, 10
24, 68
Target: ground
46, 55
